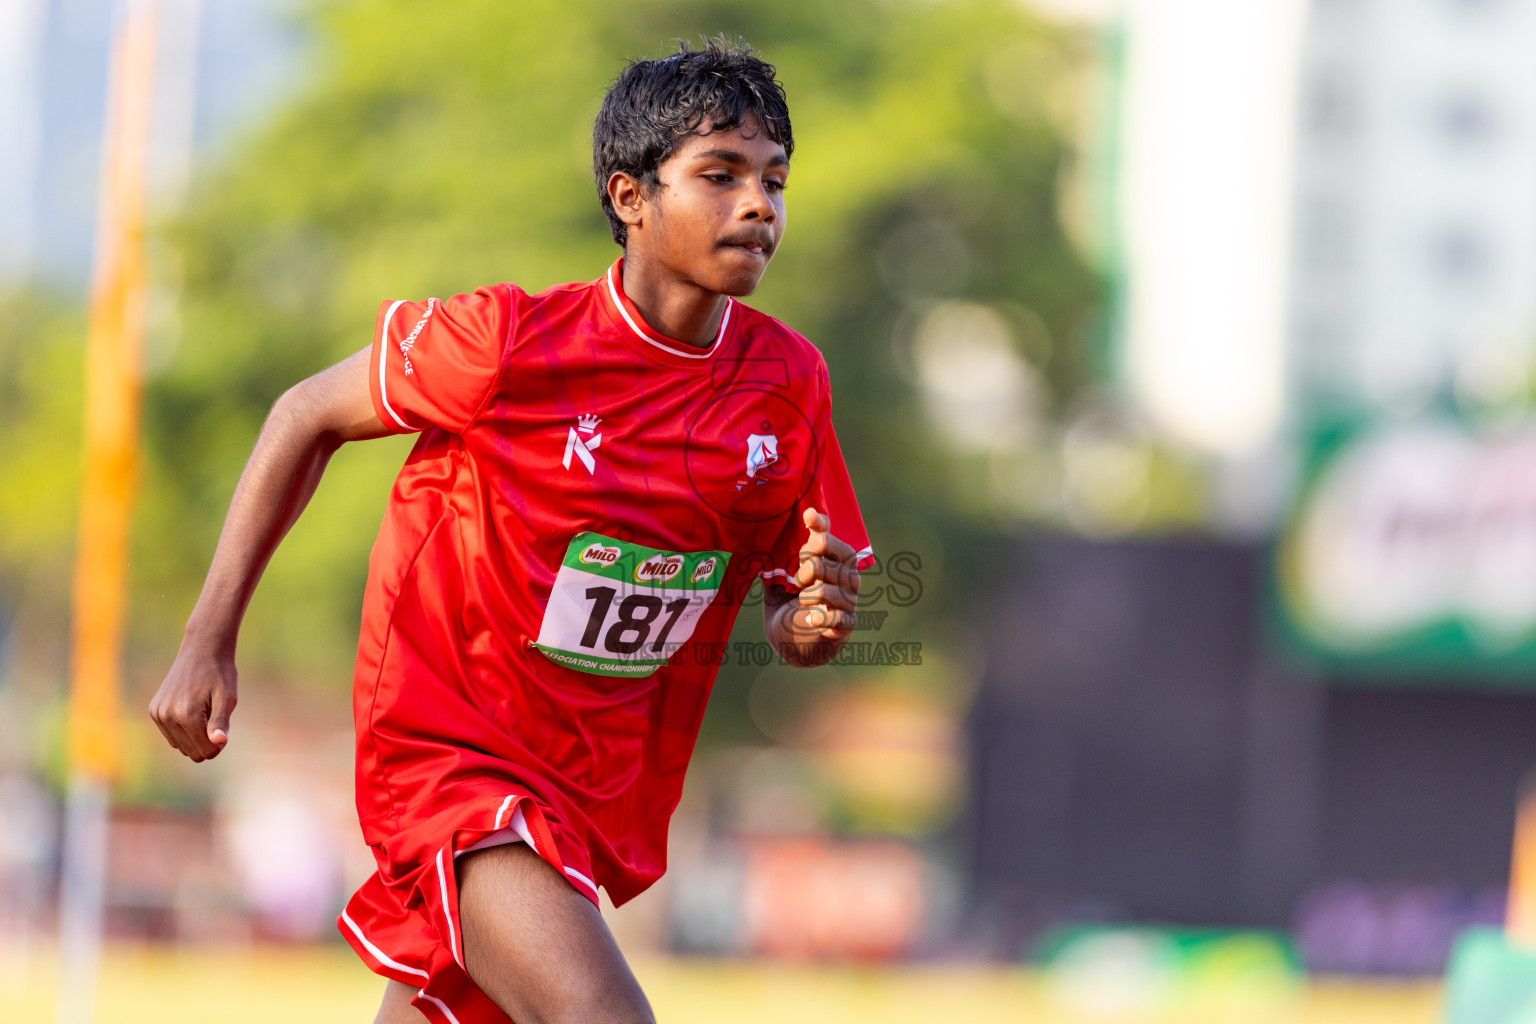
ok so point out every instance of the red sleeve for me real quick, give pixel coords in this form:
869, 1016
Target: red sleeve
435, 362
830, 493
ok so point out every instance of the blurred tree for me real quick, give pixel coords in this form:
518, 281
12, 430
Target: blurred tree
41, 383
437, 150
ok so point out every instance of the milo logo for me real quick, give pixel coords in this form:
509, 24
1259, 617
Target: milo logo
659, 568
596, 554
704, 570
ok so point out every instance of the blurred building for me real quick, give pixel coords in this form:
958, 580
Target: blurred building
1414, 264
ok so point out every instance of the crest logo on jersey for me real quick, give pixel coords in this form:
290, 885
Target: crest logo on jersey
762, 451
583, 447
658, 569
751, 452
597, 554
704, 570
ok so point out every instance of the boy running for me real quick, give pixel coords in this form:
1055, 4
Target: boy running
603, 469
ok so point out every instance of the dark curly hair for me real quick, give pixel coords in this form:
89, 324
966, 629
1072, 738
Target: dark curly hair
655, 104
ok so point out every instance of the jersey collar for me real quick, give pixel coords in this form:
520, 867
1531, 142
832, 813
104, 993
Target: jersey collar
612, 287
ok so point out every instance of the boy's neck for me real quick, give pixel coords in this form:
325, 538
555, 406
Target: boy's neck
673, 307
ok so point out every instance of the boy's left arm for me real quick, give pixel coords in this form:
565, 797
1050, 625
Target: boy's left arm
809, 628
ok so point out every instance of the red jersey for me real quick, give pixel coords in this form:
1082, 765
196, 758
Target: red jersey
560, 564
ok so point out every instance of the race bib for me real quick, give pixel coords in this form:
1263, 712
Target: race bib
621, 609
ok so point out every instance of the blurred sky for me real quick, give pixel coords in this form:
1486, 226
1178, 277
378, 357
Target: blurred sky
245, 58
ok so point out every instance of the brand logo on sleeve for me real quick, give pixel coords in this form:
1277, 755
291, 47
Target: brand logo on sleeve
583, 447
409, 341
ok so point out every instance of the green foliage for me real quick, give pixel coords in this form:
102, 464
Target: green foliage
41, 386
439, 147
40, 395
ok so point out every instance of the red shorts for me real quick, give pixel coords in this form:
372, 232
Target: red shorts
404, 921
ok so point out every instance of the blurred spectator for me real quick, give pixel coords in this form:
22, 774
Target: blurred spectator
808, 898
28, 845
288, 858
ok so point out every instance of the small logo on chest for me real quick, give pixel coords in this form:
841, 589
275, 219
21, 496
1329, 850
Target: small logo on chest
762, 452
582, 441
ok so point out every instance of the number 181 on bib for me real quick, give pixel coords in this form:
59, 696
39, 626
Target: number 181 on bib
622, 609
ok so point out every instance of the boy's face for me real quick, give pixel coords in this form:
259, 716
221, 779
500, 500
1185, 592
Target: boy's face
718, 215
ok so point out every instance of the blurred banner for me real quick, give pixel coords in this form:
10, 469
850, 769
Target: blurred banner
1413, 548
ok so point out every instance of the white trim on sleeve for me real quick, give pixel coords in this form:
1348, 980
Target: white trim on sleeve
383, 354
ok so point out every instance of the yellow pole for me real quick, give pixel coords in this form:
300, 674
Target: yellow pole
112, 388
1520, 918
112, 368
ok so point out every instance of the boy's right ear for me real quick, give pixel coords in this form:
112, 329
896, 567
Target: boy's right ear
628, 198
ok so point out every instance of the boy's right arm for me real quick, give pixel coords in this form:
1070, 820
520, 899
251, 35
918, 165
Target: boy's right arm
306, 426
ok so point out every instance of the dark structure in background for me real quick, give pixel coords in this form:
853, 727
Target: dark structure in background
1140, 751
